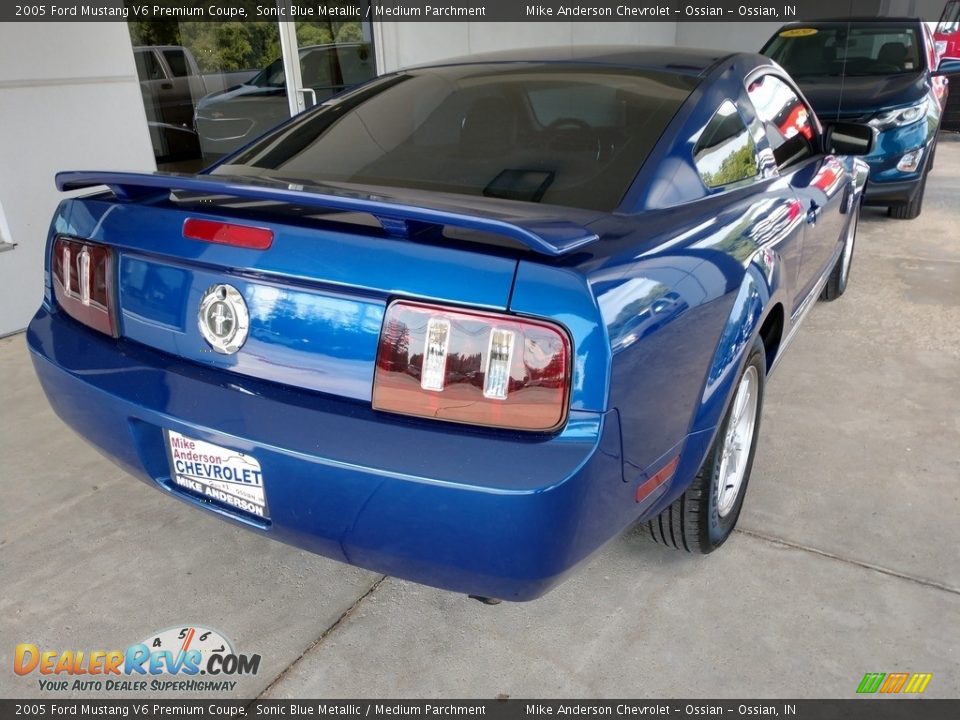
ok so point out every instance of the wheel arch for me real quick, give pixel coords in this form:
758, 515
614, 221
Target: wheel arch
758, 306
757, 312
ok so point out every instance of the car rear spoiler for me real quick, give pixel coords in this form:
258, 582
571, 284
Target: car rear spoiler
535, 229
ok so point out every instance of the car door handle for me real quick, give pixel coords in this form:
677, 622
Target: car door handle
813, 214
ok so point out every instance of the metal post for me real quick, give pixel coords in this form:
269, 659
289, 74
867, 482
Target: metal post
290, 51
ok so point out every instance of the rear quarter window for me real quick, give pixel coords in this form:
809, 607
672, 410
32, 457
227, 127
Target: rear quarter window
725, 154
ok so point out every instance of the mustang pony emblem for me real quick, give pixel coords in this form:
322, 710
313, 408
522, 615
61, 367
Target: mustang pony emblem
223, 318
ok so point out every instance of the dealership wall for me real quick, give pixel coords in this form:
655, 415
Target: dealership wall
403, 44
69, 99
743, 37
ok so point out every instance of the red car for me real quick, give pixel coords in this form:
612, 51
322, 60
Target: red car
947, 41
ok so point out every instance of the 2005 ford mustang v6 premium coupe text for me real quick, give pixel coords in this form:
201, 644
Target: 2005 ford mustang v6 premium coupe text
462, 324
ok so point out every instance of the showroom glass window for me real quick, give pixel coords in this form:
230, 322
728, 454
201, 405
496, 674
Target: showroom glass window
725, 154
563, 134
209, 88
787, 120
5, 243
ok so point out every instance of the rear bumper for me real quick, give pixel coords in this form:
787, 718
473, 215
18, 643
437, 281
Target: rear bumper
486, 513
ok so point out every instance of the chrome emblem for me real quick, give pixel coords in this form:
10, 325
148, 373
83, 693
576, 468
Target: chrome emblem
223, 318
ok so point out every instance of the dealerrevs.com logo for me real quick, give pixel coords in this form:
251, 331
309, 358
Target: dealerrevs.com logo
169, 660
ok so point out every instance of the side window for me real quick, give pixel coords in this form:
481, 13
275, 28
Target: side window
147, 66
177, 61
787, 121
725, 153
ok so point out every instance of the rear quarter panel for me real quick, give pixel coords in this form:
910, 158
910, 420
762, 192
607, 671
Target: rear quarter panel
683, 293
677, 322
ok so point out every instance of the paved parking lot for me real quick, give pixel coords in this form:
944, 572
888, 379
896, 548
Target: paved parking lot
846, 560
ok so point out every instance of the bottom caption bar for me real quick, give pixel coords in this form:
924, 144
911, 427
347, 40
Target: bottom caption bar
506, 708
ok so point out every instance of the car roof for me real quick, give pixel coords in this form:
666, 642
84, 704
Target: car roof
679, 61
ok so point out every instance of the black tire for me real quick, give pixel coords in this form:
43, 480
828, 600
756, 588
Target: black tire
840, 275
692, 522
910, 210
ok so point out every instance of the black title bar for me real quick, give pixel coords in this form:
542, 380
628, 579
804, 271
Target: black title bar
447, 10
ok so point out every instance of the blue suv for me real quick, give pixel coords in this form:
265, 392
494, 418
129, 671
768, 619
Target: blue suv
880, 72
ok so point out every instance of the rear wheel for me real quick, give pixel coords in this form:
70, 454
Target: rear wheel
840, 274
701, 519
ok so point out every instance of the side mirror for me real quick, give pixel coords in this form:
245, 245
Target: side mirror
847, 138
948, 66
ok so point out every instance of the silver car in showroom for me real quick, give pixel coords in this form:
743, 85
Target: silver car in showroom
230, 119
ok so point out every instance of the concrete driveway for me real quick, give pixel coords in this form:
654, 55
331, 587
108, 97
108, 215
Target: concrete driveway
846, 560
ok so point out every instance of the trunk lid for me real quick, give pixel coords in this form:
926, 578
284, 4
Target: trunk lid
316, 297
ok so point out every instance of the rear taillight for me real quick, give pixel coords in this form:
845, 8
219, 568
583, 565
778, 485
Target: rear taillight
472, 367
83, 283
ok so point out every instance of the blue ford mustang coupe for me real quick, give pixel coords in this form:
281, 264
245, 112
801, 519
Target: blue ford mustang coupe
463, 324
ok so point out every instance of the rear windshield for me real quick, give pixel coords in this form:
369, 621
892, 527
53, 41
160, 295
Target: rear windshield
842, 50
559, 134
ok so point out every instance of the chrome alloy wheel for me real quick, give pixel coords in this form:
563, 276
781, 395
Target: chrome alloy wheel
737, 441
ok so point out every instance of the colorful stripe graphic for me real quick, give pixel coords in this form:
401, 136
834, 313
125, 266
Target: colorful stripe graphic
893, 683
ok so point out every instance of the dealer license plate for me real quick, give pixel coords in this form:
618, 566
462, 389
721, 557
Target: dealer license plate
227, 477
